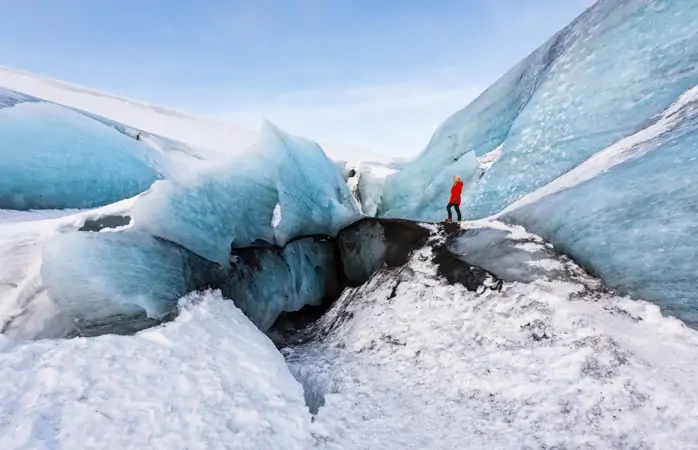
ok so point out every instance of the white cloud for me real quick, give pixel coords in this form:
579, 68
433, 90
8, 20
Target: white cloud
395, 119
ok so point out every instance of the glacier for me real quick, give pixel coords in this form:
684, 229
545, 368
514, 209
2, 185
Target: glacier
604, 77
54, 158
130, 264
594, 135
409, 359
233, 205
479, 334
304, 272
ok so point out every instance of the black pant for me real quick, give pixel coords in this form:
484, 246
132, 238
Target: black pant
448, 208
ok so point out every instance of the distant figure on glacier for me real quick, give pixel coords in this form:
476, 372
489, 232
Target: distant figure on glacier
138, 137
454, 201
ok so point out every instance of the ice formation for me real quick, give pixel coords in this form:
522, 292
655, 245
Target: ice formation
55, 158
178, 237
265, 282
602, 78
95, 275
234, 204
629, 213
588, 142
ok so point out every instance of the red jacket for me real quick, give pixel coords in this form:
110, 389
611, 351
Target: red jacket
455, 193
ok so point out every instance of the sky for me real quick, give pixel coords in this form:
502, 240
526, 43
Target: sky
376, 74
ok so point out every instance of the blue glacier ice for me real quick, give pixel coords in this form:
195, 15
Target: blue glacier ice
635, 224
91, 276
234, 204
597, 133
54, 158
265, 282
603, 77
258, 227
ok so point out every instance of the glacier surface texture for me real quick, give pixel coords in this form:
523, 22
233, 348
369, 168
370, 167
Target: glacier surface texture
276, 207
53, 157
596, 136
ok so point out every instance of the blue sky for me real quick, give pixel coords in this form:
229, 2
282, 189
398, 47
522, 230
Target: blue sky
377, 74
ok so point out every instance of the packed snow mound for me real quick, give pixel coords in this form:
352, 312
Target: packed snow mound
409, 360
233, 205
54, 158
206, 380
604, 77
211, 139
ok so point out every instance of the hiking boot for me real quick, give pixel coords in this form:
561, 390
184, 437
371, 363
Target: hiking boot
449, 220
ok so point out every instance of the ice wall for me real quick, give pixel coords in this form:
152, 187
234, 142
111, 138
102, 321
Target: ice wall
91, 276
279, 202
600, 79
54, 158
630, 214
595, 137
264, 282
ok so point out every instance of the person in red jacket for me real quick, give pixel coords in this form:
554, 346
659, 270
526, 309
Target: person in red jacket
454, 201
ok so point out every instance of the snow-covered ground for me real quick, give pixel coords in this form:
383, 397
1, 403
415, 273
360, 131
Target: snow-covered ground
404, 361
408, 361
207, 380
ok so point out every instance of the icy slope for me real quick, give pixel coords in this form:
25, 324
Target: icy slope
54, 158
409, 360
210, 379
589, 142
630, 213
602, 78
212, 139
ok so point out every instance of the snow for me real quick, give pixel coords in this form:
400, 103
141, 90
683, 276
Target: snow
53, 158
407, 361
488, 159
403, 361
210, 138
276, 216
209, 379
